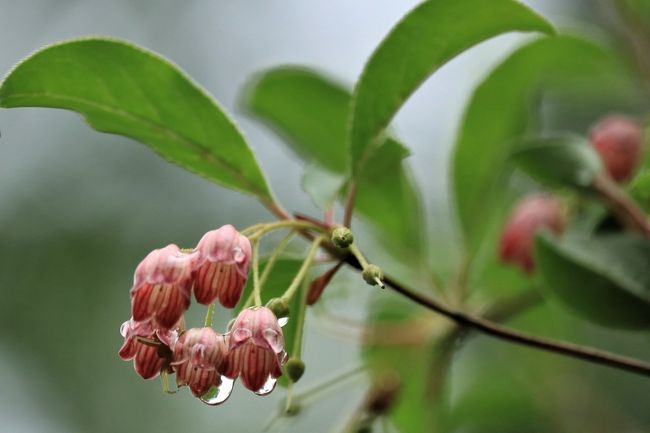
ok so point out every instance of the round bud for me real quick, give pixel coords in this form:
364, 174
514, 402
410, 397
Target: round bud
373, 275
531, 214
295, 368
342, 237
619, 142
279, 307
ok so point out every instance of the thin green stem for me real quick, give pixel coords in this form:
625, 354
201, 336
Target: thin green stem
164, 379
300, 321
289, 401
257, 290
291, 224
359, 256
328, 384
209, 316
275, 254
295, 284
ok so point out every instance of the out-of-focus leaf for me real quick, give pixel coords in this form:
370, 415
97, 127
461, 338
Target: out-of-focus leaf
426, 38
386, 196
499, 112
421, 366
639, 189
123, 89
559, 161
306, 108
278, 281
323, 186
604, 278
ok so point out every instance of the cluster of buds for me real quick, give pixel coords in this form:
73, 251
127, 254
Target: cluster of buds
618, 141
202, 359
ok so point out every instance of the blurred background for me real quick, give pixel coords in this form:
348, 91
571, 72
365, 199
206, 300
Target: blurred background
79, 209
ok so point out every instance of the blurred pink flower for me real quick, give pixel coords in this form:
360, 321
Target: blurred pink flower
222, 266
532, 213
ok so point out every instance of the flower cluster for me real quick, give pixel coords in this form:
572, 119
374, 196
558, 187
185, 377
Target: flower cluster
202, 359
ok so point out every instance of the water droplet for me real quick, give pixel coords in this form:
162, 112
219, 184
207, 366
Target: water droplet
218, 394
282, 321
268, 386
124, 329
274, 339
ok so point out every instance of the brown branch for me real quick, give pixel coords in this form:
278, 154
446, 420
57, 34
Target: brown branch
622, 206
495, 330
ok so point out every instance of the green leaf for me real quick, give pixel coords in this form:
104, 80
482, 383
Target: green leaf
426, 38
278, 281
386, 196
422, 365
123, 89
310, 111
559, 161
499, 112
603, 278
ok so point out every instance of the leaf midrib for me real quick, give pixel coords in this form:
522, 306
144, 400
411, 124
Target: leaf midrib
158, 127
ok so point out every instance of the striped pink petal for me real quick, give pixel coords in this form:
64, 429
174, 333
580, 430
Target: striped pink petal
162, 286
222, 266
198, 354
253, 364
148, 360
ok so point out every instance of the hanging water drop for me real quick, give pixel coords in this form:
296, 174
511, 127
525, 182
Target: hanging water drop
218, 394
268, 386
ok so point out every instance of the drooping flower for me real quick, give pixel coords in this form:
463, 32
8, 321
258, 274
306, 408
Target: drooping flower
198, 355
256, 350
619, 142
222, 266
162, 287
149, 358
531, 214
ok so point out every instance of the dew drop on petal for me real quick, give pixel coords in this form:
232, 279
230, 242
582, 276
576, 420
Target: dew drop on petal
218, 394
274, 339
268, 386
282, 321
238, 255
124, 329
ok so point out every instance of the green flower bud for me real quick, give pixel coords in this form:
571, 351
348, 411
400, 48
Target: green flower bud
373, 275
342, 237
279, 306
295, 369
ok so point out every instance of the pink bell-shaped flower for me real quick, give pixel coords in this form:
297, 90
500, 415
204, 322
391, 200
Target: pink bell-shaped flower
149, 359
619, 142
256, 350
531, 214
162, 287
222, 266
198, 355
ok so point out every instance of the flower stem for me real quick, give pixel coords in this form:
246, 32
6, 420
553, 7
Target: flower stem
257, 290
300, 321
295, 284
209, 316
359, 255
275, 254
277, 225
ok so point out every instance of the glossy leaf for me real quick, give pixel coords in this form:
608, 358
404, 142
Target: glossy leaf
309, 110
603, 278
122, 89
386, 196
559, 161
426, 38
499, 112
